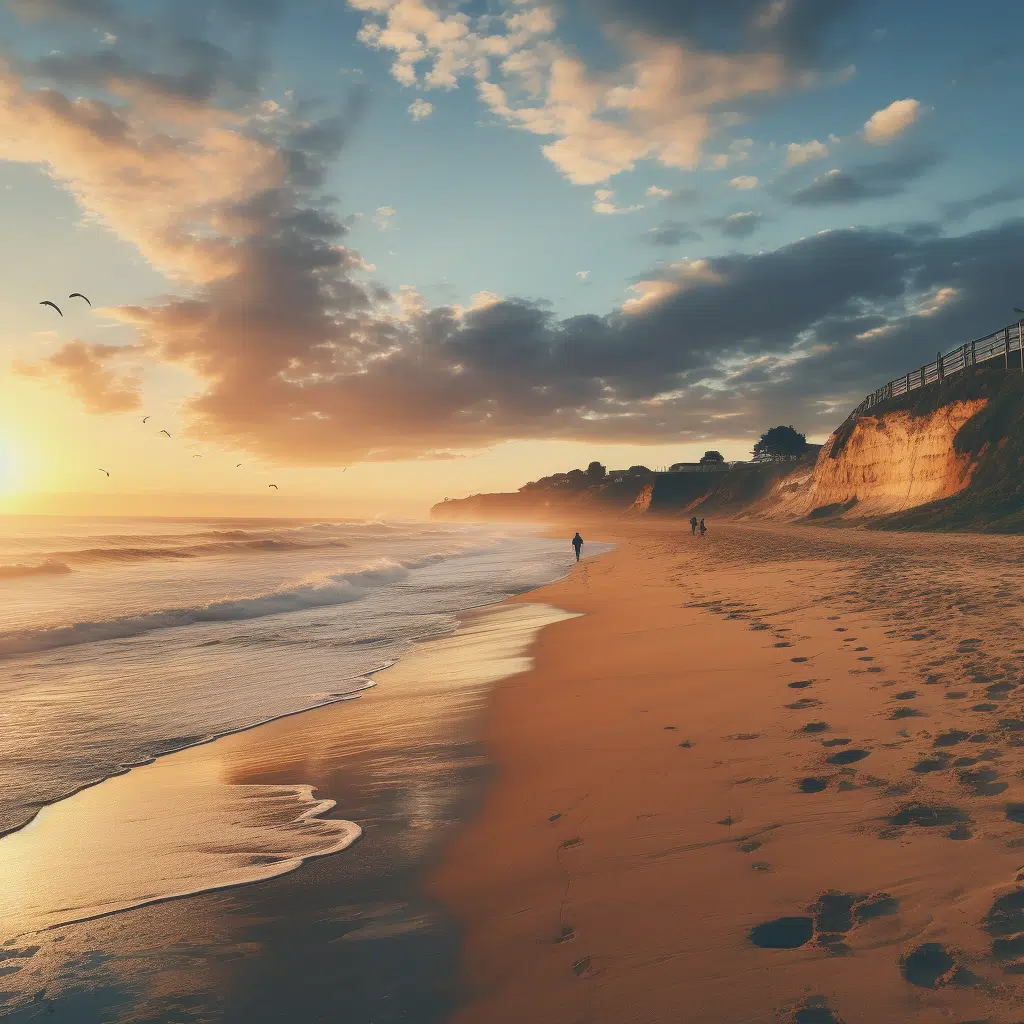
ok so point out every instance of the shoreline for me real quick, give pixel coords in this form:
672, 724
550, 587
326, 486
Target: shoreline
359, 757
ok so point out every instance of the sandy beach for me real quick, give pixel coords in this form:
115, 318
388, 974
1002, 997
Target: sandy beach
772, 775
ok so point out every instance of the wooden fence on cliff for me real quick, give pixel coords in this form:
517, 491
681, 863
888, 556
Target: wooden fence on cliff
999, 345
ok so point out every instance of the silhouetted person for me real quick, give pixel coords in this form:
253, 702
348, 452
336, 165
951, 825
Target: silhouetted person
702, 528
577, 543
693, 526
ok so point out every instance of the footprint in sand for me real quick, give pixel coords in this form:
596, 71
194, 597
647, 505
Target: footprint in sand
931, 965
950, 739
897, 713
812, 785
815, 727
804, 702
800, 684
847, 756
815, 1010
832, 917
837, 742
921, 815
783, 643
798, 661
906, 695
567, 934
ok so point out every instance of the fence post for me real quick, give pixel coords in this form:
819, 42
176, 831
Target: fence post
938, 364
1006, 347
974, 353
1020, 342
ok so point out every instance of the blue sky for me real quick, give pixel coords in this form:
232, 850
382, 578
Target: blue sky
354, 253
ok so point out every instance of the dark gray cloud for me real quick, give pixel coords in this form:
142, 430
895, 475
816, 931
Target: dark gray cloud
867, 181
1008, 192
670, 233
804, 31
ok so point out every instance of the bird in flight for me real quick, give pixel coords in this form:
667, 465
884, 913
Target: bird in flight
104, 471
144, 418
47, 302
237, 464
197, 456
276, 488
164, 432
79, 295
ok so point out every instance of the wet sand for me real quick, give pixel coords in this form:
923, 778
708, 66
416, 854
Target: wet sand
352, 936
775, 775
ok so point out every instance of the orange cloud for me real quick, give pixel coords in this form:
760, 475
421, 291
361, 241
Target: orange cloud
81, 368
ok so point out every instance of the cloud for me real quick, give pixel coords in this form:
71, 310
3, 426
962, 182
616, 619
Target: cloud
604, 203
420, 108
885, 125
868, 181
81, 368
740, 225
662, 103
1008, 192
383, 217
803, 152
583, 274
298, 358
744, 181
671, 233
657, 193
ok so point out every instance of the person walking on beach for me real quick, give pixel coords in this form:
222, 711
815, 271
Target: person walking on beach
702, 528
577, 543
693, 526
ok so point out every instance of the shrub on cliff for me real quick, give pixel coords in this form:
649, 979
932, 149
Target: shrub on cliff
780, 444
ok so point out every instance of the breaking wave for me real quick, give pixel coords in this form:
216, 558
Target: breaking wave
332, 590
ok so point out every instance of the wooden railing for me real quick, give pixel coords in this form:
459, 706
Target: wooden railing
996, 346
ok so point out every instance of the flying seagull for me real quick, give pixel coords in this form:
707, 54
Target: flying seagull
164, 432
197, 456
237, 464
276, 488
47, 302
78, 295
144, 418
104, 471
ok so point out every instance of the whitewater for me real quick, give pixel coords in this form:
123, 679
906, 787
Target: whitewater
121, 640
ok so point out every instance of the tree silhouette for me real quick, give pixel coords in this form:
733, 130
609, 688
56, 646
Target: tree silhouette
780, 444
712, 458
596, 472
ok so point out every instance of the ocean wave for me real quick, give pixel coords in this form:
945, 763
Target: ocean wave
49, 567
332, 590
241, 544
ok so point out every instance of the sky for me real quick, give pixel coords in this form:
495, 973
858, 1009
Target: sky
383, 252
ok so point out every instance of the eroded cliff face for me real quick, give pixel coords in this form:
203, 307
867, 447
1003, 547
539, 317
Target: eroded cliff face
886, 464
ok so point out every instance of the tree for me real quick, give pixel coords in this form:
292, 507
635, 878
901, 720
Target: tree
596, 472
780, 444
712, 458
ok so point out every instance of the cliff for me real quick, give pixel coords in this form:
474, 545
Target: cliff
949, 456
944, 457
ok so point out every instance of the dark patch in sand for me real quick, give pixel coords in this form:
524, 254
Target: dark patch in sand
931, 764
581, 966
686, 743
982, 781
744, 736
927, 815
1015, 812
812, 785
815, 727
951, 738
798, 660
556, 816
927, 965
783, 643
1011, 724
800, 684
897, 713
837, 742
906, 695
566, 935
567, 844
984, 707
803, 702
847, 756
956, 694
783, 933
749, 845
815, 1010
879, 904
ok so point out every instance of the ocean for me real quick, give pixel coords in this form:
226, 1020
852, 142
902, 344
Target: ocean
121, 640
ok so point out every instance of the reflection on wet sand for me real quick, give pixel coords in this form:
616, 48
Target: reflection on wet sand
349, 931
